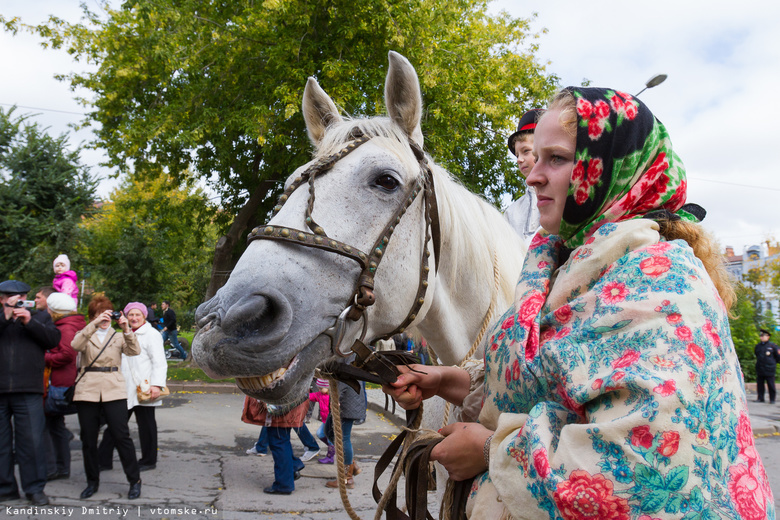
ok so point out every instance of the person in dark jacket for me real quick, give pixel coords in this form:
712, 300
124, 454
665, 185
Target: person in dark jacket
170, 328
24, 339
62, 362
767, 356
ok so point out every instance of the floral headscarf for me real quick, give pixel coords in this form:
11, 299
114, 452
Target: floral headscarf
624, 166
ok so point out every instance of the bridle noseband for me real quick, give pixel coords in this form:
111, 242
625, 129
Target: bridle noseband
363, 295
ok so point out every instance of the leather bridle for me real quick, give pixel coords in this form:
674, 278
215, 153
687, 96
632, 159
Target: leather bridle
363, 295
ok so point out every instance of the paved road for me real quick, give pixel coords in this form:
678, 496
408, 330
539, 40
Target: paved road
204, 473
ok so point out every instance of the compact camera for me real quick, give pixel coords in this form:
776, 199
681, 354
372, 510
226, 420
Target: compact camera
116, 315
27, 304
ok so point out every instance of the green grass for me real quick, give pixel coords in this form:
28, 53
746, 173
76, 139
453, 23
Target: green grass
185, 373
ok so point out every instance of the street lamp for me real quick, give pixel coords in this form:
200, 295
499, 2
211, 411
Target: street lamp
653, 82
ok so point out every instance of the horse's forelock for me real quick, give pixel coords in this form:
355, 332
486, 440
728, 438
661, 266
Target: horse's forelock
389, 135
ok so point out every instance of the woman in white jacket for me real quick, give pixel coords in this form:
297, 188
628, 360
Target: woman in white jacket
150, 371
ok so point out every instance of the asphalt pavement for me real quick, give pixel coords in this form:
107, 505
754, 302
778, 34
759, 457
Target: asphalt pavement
203, 471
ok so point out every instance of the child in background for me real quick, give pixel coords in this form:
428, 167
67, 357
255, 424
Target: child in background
65, 280
322, 398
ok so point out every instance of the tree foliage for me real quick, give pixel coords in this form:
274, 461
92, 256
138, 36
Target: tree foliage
44, 193
217, 86
152, 241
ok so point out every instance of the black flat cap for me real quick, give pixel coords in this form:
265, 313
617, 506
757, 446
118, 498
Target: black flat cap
14, 287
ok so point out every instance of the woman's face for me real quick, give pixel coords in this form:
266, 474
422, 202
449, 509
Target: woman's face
135, 318
554, 149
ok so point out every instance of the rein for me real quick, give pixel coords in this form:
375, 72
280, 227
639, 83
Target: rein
363, 295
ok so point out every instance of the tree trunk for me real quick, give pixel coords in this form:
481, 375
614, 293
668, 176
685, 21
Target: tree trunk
223, 252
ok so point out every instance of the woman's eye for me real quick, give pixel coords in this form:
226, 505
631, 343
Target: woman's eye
387, 182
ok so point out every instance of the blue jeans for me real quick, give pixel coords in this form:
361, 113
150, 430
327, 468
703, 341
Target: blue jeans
26, 434
346, 430
174, 335
285, 463
303, 434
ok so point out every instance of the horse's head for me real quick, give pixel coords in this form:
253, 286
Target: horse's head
266, 326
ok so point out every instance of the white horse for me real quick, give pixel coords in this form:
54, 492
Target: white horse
268, 327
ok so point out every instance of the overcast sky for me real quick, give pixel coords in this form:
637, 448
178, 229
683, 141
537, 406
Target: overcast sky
719, 102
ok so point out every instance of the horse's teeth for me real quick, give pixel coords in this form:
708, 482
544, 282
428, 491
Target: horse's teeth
260, 382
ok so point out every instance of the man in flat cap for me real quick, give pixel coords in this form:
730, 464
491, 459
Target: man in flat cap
24, 339
767, 356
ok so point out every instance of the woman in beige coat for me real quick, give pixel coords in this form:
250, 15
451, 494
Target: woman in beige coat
102, 390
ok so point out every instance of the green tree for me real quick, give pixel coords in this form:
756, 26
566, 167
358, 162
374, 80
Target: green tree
218, 85
152, 241
744, 331
44, 193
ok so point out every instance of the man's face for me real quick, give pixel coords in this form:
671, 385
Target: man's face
40, 301
764, 338
164, 306
11, 299
524, 147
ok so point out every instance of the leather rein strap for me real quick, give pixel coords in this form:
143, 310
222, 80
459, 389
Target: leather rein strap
363, 296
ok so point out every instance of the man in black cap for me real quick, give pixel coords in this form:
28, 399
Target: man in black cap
523, 213
24, 338
767, 356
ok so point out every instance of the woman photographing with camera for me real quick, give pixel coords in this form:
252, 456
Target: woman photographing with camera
101, 389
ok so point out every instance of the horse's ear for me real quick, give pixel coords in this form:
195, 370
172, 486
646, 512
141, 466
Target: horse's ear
319, 111
403, 97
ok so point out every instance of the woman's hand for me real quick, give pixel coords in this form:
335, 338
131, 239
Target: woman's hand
416, 383
122, 321
104, 317
154, 391
461, 451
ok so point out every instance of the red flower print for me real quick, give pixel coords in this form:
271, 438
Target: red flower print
696, 353
703, 437
655, 265
563, 333
538, 240
563, 314
744, 431
541, 463
597, 384
684, 333
578, 173
508, 376
624, 105
595, 169
663, 362
584, 496
614, 292
670, 442
532, 343
674, 318
659, 248
530, 308
508, 323
546, 335
666, 389
712, 333
747, 492
541, 265
516, 370
641, 436
595, 114
627, 359
590, 240
618, 376
678, 199
581, 195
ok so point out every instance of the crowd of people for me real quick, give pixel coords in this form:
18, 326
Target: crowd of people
53, 363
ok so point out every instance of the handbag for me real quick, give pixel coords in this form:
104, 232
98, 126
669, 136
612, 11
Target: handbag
145, 397
59, 400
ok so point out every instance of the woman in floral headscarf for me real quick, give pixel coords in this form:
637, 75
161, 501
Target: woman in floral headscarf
611, 387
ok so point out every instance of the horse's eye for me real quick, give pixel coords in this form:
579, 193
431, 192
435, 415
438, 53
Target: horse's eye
387, 182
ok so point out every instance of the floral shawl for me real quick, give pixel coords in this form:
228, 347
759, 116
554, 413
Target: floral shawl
612, 384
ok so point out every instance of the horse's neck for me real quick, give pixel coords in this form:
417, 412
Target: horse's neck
462, 297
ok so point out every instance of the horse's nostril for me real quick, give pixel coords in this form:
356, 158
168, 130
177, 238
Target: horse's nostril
267, 315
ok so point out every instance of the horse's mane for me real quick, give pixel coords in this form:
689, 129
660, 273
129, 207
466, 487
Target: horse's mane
472, 229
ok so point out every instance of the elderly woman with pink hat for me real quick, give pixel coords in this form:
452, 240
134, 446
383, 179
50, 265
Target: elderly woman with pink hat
149, 370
